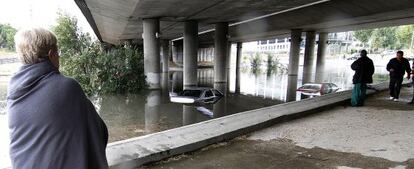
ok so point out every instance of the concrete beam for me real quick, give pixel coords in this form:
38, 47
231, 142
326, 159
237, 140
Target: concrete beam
151, 52
131, 153
293, 67
309, 58
190, 53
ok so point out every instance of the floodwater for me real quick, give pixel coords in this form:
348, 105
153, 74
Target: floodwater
151, 111
147, 112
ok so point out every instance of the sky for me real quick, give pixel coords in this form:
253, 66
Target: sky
39, 13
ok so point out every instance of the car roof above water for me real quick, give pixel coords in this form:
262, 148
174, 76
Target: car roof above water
200, 88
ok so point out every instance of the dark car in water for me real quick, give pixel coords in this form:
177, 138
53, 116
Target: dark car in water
317, 89
196, 95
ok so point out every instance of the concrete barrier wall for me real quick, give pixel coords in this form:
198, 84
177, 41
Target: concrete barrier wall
134, 152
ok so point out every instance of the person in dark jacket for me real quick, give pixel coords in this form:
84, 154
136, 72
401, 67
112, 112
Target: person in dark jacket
52, 123
364, 69
412, 82
397, 67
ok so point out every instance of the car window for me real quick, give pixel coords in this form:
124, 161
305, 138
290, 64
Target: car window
217, 93
315, 87
327, 88
329, 85
191, 93
209, 94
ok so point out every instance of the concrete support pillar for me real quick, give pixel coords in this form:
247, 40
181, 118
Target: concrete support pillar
164, 85
151, 52
177, 52
177, 82
220, 58
152, 111
320, 56
190, 53
165, 54
309, 58
174, 52
293, 66
228, 57
238, 62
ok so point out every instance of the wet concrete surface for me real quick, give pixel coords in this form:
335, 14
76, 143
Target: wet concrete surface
378, 136
278, 153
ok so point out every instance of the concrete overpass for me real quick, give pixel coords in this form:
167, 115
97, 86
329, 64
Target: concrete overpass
218, 22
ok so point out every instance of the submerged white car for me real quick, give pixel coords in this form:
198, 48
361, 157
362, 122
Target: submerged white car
196, 95
317, 89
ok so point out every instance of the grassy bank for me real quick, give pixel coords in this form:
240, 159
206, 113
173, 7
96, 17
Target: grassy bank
6, 53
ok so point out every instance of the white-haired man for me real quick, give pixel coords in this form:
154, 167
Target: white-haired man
52, 123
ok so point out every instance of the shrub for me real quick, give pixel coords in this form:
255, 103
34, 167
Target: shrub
255, 62
118, 70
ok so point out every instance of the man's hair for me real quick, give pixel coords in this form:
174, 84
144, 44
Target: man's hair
33, 45
401, 53
364, 52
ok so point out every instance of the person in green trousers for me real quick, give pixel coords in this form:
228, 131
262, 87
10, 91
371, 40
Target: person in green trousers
364, 69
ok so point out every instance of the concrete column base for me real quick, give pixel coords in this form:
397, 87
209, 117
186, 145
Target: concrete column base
291, 88
153, 80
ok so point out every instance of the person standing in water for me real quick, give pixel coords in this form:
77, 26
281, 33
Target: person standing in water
364, 69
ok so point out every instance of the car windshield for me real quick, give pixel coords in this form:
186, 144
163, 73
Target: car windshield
332, 85
191, 93
217, 93
209, 94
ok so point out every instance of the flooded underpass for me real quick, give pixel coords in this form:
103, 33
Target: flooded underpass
132, 115
151, 111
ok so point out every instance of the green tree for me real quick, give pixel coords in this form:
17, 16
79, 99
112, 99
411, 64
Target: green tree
274, 65
387, 37
255, 63
384, 38
7, 33
118, 70
404, 35
363, 35
69, 36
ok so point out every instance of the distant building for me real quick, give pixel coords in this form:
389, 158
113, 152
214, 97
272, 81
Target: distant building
339, 43
279, 46
342, 42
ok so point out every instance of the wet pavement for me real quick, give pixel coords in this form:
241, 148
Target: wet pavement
378, 136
